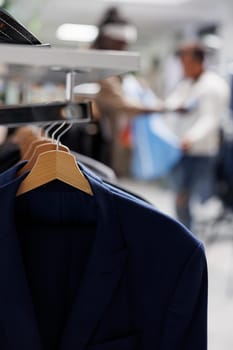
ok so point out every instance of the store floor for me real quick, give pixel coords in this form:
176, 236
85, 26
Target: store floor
218, 239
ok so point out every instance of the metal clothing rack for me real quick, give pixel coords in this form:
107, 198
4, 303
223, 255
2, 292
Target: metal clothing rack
78, 67
17, 115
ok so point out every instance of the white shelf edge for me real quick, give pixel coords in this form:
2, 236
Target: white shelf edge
86, 60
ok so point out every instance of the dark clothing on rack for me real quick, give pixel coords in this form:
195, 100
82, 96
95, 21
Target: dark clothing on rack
55, 281
101, 170
106, 272
9, 155
89, 140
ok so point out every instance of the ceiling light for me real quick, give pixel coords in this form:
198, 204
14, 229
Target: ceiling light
77, 32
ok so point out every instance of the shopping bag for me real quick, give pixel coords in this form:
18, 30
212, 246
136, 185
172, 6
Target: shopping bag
155, 148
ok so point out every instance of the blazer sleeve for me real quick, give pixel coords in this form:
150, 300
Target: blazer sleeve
186, 321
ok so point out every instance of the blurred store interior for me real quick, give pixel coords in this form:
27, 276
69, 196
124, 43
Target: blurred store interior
162, 25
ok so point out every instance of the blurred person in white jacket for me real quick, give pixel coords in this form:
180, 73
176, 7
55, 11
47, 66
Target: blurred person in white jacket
200, 102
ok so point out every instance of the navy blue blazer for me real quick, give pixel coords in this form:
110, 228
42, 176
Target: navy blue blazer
102, 272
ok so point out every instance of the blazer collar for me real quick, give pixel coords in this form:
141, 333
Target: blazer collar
103, 271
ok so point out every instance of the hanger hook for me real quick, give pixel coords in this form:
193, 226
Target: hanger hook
62, 133
56, 131
47, 130
43, 129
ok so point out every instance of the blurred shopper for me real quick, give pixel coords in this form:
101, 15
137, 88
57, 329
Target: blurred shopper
200, 101
113, 109
3, 134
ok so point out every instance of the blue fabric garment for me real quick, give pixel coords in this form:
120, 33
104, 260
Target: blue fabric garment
155, 150
140, 281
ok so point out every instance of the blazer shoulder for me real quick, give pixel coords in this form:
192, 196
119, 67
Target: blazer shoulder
144, 225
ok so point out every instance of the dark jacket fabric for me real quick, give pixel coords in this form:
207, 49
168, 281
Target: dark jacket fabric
102, 272
9, 155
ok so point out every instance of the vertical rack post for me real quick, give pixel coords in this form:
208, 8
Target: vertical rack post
72, 108
70, 83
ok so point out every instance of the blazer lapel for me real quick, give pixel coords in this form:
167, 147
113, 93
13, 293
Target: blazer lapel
104, 269
17, 317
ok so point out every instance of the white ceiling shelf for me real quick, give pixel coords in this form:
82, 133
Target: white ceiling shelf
91, 65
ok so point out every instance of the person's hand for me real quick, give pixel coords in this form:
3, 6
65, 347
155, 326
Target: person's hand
157, 109
181, 110
186, 145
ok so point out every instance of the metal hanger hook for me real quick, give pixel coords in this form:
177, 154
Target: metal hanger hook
47, 130
62, 133
56, 131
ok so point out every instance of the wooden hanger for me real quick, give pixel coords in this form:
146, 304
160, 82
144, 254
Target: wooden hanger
25, 144
55, 165
41, 148
40, 139
24, 136
32, 147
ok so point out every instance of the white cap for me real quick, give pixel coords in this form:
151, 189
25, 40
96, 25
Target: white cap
124, 32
